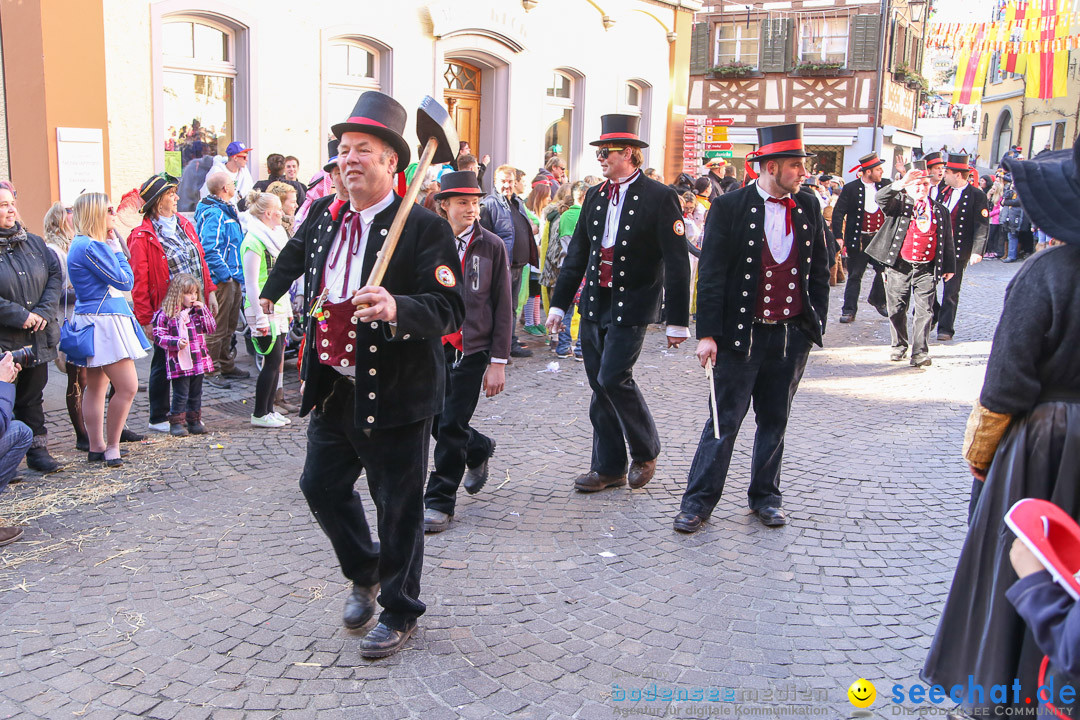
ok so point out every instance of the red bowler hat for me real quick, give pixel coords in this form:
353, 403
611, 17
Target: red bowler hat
463, 182
958, 162
868, 162
378, 114
934, 158
622, 129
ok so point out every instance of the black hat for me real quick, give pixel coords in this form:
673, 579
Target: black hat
620, 129
155, 187
1049, 190
933, 158
868, 162
331, 152
779, 141
380, 115
915, 165
958, 162
462, 182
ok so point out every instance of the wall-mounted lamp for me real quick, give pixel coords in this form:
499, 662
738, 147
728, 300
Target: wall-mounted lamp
917, 7
529, 4
608, 21
672, 36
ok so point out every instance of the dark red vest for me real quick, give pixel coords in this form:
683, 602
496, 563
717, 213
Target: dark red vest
872, 222
607, 265
920, 247
779, 295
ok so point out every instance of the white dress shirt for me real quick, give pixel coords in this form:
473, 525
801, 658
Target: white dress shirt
953, 198
869, 197
611, 226
780, 241
334, 278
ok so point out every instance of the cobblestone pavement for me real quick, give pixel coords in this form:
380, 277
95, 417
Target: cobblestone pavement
195, 584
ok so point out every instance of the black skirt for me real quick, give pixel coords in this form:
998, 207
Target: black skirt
980, 633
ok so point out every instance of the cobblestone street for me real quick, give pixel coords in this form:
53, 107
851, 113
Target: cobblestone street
194, 583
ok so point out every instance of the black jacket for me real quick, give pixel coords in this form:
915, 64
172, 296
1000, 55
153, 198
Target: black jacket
972, 224
850, 207
650, 256
898, 208
400, 371
30, 281
730, 267
489, 309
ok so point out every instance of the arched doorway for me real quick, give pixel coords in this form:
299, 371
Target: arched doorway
462, 91
1003, 136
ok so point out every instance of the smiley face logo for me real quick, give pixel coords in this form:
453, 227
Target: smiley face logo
862, 693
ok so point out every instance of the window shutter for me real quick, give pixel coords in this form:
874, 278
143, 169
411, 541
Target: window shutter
699, 49
863, 42
899, 46
775, 45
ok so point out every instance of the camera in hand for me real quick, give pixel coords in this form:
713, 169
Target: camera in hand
24, 356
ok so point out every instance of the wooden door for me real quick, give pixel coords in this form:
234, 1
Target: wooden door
463, 98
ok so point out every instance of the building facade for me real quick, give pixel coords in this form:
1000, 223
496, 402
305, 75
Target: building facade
139, 82
850, 70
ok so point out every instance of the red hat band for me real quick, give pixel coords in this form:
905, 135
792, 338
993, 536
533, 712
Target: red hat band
783, 146
957, 166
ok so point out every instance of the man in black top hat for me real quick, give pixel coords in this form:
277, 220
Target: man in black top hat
916, 248
970, 212
857, 218
935, 170
763, 297
372, 367
476, 355
629, 246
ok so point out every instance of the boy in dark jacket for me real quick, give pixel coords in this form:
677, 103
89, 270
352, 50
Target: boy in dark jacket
15, 438
476, 354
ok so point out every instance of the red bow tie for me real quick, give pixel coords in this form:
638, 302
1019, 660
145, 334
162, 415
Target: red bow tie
788, 203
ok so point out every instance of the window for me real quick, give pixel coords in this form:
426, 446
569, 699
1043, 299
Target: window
460, 76
639, 99
559, 116
199, 89
1003, 136
985, 126
633, 96
737, 43
823, 40
352, 69
1059, 136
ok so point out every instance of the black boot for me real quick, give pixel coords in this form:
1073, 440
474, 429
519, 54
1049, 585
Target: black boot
38, 457
194, 423
176, 425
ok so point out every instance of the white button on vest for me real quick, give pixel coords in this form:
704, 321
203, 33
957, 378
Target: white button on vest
371, 371
371, 396
370, 419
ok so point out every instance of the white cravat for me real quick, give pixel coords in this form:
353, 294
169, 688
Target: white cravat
780, 241
334, 278
611, 224
870, 197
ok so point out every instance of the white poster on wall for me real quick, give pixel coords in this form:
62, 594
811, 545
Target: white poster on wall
80, 157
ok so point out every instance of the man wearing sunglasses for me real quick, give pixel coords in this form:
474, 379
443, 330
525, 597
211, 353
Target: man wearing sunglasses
630, 247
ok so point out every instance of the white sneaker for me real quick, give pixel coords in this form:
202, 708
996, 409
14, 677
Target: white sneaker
161, 427
281, 417
269, 420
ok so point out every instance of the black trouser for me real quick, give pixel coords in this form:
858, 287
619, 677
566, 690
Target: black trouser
950, 297
618, 408
394, 460
856, 266
457, 444
769, 376
995, 242
910, 286
186, 396
30, 397
515, 293
157, 388
266, 383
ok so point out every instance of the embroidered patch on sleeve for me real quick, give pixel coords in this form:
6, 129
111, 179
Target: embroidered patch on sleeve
679, 228
985, 212
445, 276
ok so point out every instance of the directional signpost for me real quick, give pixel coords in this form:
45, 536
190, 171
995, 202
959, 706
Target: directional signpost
705, 138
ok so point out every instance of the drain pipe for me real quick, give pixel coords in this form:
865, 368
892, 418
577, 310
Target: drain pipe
881, 73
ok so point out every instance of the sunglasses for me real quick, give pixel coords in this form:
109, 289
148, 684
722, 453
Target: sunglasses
603, 152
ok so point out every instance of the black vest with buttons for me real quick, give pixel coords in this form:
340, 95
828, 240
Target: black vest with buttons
650, 260
899, 208
971, 223
400, 371
730, 267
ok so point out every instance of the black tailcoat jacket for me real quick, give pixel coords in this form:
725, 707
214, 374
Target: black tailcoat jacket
972, 223
399, 370
650, 256
850, 205
899, 209
730, 267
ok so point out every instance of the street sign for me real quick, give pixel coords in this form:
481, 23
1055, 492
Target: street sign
713, 122
716, 134
718, 153
692, 121
719, 146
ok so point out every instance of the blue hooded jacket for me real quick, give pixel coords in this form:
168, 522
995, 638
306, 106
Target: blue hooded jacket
221, 234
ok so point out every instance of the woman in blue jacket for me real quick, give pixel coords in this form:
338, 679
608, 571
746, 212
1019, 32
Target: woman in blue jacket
100, 274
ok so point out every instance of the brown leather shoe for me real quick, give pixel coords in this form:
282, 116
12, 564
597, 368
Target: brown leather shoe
641, 473
688, 522
383, 641
9, 535
594, 482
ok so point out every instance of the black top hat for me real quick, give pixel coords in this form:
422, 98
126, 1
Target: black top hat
779, 141
868, 162
958, 162
382, 116
462, 182
915, 165
331, 152
620, 129
1049, 190
155, 187
933, 158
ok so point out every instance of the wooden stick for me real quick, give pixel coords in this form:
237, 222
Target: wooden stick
712, 399
387, 251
